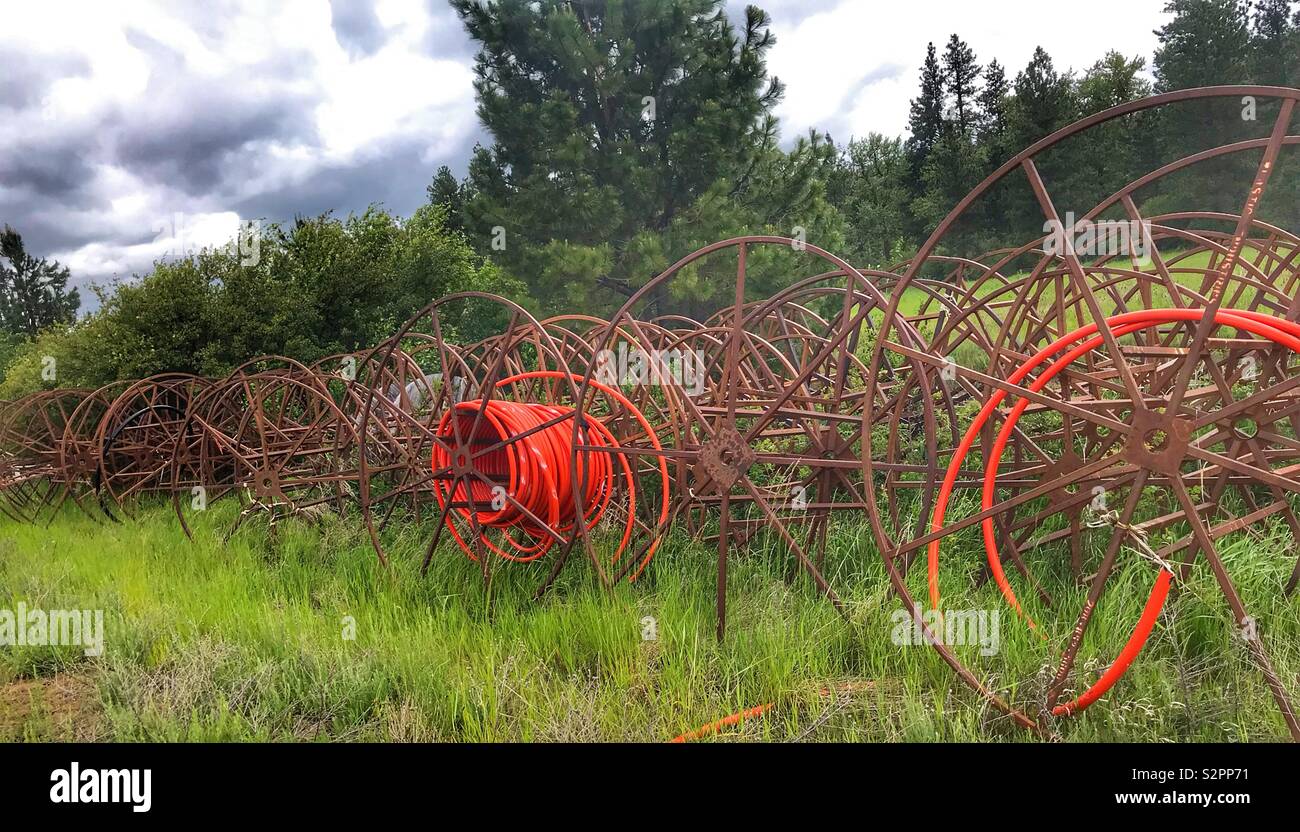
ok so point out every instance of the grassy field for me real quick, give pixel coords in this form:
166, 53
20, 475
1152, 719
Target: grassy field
246, 640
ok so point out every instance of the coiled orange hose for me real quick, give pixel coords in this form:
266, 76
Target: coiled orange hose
537, 501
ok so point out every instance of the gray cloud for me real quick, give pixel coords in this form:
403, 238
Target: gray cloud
28, 76
395, 179
357, 26
229, 115
49, 167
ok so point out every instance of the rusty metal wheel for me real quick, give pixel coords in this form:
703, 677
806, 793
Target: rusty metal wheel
274, 439
773, 413
1115, 421
79, 452
137, 437
34, 485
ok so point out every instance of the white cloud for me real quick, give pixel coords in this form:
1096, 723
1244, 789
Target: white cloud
853, 68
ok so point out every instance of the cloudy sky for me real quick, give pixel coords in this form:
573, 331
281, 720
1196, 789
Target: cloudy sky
132, 131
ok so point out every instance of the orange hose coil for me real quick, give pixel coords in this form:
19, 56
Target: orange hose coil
538, 502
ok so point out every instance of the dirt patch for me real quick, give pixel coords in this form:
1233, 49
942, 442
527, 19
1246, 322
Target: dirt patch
65, 706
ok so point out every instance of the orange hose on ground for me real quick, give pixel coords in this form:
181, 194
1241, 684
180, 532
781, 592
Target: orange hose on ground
715, 727
759, 710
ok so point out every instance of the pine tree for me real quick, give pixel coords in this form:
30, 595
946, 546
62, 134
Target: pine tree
33, 292
1113, 80
870, 184
955, 163
926, 120
1275, 60
1205, 44
1044, 101
607, 119
992, 101
993, 140
446, 191
961, 76
1274, 43
1107, 156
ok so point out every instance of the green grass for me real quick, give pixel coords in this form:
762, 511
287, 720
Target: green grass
244, 641
1188, 271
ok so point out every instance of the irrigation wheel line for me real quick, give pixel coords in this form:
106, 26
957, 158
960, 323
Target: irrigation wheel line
274, 438
34, 482
137, 438
747, 407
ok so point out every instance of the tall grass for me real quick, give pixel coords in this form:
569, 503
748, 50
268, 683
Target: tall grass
245, 640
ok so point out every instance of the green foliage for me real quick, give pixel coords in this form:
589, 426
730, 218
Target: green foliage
965, 123
1121, 148
925, 122
33, 291
446, 191
1206, 43
317, 287
614, 123
1275, 43
870, 178
961, 74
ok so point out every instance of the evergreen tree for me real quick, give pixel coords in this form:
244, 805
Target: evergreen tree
1111, 81
995, 147
992, 102
925, 123
1107, 156
961, 77
1274, 43
1205, 44
446, 191
1275, 60
33, 292
1044, 101
608, 119
955, 166
955, 163
870, 190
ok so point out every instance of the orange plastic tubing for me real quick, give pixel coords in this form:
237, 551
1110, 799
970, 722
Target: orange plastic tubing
1282, 332
535, 472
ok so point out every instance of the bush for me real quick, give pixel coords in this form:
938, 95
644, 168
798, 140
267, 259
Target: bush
317, 287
